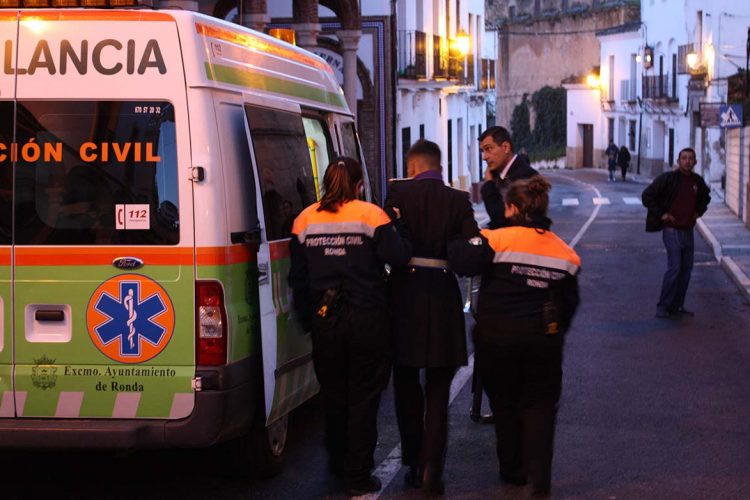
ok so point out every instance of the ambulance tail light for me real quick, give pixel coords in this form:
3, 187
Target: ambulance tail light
210, 324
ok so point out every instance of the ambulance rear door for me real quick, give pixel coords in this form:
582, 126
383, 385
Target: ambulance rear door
103, 229
281, 153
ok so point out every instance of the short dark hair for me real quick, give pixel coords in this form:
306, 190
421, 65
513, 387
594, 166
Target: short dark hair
428, 149
688, 150
498, 134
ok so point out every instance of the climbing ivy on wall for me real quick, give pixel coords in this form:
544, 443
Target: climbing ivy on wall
547, 141
520, 127
549, 128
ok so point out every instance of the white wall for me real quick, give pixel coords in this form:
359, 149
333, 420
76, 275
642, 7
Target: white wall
584, 107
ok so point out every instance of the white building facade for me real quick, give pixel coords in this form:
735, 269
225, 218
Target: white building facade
662, 81
442, 94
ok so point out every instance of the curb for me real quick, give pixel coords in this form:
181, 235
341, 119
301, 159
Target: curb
727, 263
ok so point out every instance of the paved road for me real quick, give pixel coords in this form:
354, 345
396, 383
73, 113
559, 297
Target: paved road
651, 408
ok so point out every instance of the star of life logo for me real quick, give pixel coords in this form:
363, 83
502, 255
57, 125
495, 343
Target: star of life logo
130, 318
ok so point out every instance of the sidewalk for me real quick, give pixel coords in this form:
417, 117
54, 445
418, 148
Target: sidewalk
730, 241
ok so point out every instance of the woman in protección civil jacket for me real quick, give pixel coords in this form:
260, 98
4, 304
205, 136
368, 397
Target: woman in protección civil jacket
527, 299
338, 250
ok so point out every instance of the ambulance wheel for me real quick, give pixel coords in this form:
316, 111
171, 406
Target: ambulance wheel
260, 453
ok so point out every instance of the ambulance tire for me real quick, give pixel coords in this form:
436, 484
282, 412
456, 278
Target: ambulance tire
260, 453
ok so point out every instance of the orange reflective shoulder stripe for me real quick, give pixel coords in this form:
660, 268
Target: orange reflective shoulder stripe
374, 215
526, 245
351, 218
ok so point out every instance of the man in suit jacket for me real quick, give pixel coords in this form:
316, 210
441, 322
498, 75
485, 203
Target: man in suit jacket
503, 167
429, 330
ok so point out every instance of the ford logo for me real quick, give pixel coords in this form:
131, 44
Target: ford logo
127, 263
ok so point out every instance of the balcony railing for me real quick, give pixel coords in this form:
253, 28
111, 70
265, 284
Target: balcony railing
439, 57
412, 54
657, 87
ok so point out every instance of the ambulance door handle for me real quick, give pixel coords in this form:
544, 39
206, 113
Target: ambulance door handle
49, 315
262, 273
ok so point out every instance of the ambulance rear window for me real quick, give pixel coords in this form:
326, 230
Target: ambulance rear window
100, 173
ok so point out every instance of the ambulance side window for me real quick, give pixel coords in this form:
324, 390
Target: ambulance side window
283, 162
239, 185
98, 173
6, 172
321, 150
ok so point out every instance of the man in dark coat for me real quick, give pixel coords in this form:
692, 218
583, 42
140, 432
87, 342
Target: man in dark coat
503, 167
674, 201
429, 329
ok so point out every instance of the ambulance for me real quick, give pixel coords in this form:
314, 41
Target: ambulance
151, 165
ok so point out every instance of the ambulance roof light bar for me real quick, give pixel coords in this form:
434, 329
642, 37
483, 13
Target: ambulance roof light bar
46, 4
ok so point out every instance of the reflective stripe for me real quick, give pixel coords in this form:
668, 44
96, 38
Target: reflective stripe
427, 262
126, 405
7, 408
535, 260
182, 405
69, 404
20, 402
337, 228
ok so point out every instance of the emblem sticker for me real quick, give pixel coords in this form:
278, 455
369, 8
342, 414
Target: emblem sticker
130, 318
44, 373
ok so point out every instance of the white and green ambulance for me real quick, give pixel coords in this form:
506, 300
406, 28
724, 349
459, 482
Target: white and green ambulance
151, 164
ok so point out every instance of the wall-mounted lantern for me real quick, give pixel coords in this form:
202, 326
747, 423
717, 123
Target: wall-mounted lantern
648, 57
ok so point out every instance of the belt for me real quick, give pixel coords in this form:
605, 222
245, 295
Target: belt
431, 263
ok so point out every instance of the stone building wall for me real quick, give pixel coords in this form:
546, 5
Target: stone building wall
555, 45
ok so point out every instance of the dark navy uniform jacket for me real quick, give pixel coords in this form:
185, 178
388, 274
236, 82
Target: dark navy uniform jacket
346, 250
529, 281
426, 302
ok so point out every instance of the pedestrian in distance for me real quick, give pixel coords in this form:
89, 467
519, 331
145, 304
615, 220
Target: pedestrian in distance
675, 200
527, 300
611, 153
503, 167
338, 250
623, 160
429, 331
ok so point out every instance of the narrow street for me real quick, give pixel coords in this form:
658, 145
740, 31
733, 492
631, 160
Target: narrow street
651, 408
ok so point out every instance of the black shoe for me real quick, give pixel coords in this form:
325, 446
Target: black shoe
662, 313
413, 477
432, 483
477, 417
372, 485
682, 313
433, 488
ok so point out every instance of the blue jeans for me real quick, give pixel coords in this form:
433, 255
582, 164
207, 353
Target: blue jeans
680, 247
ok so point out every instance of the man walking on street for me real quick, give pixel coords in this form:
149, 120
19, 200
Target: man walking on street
611, 153
428, 313
503, 167
674, 201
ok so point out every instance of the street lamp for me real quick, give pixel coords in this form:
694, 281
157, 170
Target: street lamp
692, 60
593, 81
462, 43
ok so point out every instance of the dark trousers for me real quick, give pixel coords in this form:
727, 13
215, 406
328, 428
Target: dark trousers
423, 416
680, 249
624, 170
523, 381
352, 364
